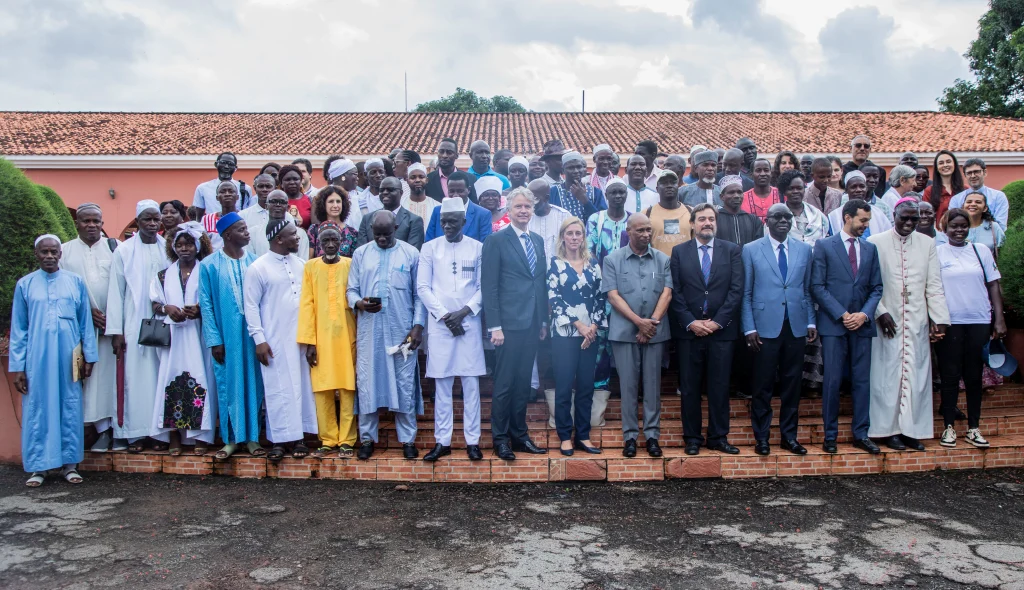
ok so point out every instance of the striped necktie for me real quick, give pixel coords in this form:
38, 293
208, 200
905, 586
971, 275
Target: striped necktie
705, 269
531, 254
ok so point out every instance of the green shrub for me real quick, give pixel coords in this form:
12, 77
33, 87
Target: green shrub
68, 231
1011, 267
24, 216
1015, 195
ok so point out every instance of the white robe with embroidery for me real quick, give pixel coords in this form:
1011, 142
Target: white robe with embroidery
901, 367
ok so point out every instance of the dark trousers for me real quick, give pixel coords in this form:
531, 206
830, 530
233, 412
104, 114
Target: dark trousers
700, 359
960, 358
573, 367
782, 356
839, 353
742, 378
513, 367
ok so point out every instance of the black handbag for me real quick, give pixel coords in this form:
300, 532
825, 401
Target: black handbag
154, 332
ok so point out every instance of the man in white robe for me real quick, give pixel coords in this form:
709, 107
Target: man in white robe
912, 312
89, 256
448, 283
133, 266
271, 289
390, 319
258, 217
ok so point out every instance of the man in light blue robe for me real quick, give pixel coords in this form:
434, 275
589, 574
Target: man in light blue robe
51, 317
235, 369
390, 317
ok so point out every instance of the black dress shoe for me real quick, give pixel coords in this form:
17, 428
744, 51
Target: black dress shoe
692, 448
567, 452
473, 451
629, 448
761, 447
504, 451
528, 446
829, 446
894, 443
582, 447
912, 443
793, 447
653, 449
365, 450
437, 452
866, 444
737, 394
724, 447
409, 451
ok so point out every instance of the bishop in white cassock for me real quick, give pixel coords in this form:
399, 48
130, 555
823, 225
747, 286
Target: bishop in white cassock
133, 266
901, 366
448, 283
89, 256
271, 291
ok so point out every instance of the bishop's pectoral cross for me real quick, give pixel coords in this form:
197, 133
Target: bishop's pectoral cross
906, 295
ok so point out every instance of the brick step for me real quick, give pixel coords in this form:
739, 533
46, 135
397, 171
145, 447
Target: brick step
671, 406
388, 465
809, 432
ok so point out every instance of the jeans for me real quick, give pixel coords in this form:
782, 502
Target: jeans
574, 366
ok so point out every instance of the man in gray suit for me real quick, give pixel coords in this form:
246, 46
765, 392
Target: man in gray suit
638, 281
410, 226
704, 190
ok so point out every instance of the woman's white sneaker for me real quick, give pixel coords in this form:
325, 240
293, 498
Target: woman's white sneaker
974, 437
948, 437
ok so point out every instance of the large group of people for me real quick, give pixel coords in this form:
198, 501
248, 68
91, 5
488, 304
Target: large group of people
284, 311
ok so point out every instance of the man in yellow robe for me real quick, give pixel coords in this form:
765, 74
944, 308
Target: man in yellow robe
328, 328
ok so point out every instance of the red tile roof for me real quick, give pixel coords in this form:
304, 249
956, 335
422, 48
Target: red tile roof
42, 133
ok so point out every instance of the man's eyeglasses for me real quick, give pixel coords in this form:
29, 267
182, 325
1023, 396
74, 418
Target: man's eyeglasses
862, 146
277, 201
974, 172
781, 216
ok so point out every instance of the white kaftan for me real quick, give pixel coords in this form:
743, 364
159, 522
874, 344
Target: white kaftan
272, 289
901, 367
133, 266
92, 263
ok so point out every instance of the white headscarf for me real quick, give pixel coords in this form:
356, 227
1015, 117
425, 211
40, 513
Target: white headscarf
192, 228
519, 160
488, 183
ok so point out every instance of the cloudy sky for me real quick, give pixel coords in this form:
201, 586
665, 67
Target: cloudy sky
324, 55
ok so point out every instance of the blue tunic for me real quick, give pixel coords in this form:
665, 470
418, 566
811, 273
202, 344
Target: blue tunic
51, 316
239, 382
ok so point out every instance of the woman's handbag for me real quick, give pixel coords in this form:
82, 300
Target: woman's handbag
154, 332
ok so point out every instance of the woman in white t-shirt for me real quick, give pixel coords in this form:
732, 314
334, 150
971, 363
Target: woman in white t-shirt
971, 282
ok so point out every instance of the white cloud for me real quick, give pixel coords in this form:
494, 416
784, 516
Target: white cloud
244, 55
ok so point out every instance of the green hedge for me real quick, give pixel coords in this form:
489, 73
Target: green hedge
1011, 267
26, 214
1015, 195
68, 231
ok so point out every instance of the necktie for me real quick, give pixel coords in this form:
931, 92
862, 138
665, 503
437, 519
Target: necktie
853, 256
531, 254
705, 269
783, 263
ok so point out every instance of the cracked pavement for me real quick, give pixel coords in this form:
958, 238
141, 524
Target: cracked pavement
935, 530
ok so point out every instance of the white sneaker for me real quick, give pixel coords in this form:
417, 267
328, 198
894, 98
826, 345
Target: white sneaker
974, 437
949, 437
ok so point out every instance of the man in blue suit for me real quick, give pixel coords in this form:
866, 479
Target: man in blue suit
478, 220
778, 321
514, 288
846, 283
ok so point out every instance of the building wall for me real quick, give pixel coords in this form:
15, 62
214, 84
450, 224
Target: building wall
77, 186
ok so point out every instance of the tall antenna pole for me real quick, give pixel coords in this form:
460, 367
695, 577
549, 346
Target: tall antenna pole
584, 101
407, 92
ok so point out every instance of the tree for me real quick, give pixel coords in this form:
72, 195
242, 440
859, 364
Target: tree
467, 101
27, 216
67, 223
997, 59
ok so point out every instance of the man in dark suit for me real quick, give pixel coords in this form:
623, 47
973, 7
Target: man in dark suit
437, 181
846, 283
777, 322
516, 309
707, 275
410, 226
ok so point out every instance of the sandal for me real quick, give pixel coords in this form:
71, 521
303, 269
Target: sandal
276, 453
300, 451
159, 447
200, 449
226, 452
174, 447
319, 453
35, 480
346, 451
255, 449
71, 476
137, 447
